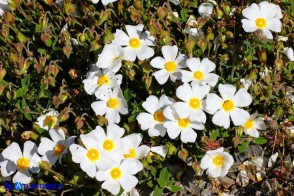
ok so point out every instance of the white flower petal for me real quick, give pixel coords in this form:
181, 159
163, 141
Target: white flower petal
251, 12
188, 135
130, 54
158, 62
266, 32
239, 116
12, 152
242, 98
169, 52
99, 107
151, 104
121, 38
184, 92
172, 129
248, 25
213, 103
227, 91
22, 176
89, 168
128, 182
111, 186
134, 31
161, 150
221, 118
7, 168
274, 25
161, 76
145, 52
57, 135
145, 120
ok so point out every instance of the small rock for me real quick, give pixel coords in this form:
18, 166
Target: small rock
226, 181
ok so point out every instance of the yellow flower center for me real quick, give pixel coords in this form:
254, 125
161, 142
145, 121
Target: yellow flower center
218, 160
50, 120
93, 154
108, 145
103, 80
260, 23
135, 43
170, 66
158, 116
132, 154
198, 75
115, 173
195, 103
248, 124
112, 103
183, 122
58, 149
228, 105
23, 163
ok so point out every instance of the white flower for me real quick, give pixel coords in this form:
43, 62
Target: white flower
111, 104
111, 142
98, 80
228, 106
133, 151
272, 159
289, 52
217, 162
264, 17
176, 2
136, 43
178, 123
104, 2
133, 192
194, 102
8, 178
91, 157
3, 6
253, 124
161, 150
111, 57
119, 175
200, 72
23, 162
153, 120
48, 120
205, 9
246, 83
52, 150
192, 29
170, 65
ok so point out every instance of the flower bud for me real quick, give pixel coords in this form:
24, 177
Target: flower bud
8, 17
162, 12
69, 8
262, 55
219, 13
95, 45
11, 95
2, 88
239, 131
183, 154
67, 50
104, 15
2, 73
279, 63
138, 4
79, 122
196, 168
226, 8
202, 43
229, 34
190, 44
135, 15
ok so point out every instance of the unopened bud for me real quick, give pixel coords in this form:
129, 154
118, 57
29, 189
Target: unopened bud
104, 15
183, 154
262, 55
239, 131
202, 43
69, 8
2, 73
21, 37
279, 63
219, 12
162, 12
135, 15
2, 88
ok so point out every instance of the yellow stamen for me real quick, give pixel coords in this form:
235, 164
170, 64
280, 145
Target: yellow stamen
58, 149
103, 80
132, 154
158, 116
135, 43
260, 23
50, 119
115, 173
183, 122
228, 105
248, 124
195, 103
170, 66
112, 103
198, 75
108, 145
93, 154
218, 160
23, 163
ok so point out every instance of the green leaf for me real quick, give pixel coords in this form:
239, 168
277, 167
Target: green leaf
38, 28
259, 140
164, 174
243, 146
214, 134
127, 94
157, 191
28, 116
20, 92
162, 183
25, 82
173, 188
